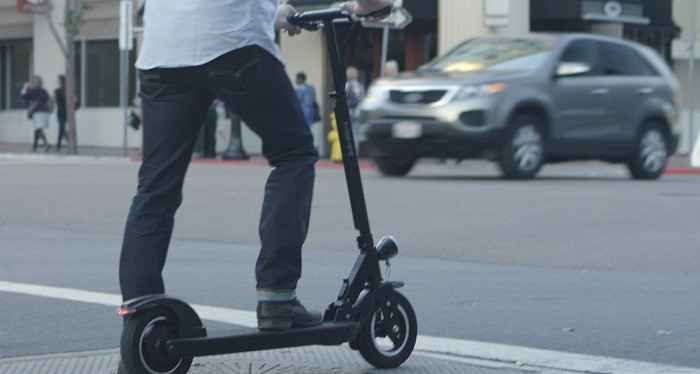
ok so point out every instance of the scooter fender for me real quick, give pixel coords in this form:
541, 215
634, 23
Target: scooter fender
190, 324
365, 300
383, 289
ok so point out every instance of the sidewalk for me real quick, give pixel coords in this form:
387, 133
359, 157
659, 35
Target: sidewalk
302, 360
677, 164
13, 148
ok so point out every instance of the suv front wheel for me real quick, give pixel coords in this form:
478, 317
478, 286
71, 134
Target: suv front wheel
648, 160
522, 154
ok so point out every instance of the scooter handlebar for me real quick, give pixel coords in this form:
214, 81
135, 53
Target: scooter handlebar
311, 20
317, 15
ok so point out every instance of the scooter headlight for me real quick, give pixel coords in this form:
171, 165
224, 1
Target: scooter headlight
387, 248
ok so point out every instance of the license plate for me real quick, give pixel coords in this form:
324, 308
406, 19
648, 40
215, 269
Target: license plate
407, 130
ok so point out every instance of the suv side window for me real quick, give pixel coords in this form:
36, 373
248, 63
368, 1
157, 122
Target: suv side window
582, 51
618, 59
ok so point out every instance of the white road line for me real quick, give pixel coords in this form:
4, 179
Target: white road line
478, 353
541, 358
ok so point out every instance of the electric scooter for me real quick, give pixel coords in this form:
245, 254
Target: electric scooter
163, 334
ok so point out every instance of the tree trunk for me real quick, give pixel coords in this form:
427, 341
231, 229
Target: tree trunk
71, 98
75, 9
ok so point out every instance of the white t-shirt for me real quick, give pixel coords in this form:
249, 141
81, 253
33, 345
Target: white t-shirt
193, 32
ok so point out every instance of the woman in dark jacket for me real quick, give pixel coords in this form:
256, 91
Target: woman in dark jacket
38, 110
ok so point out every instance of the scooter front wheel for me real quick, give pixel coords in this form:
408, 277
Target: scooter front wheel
388, 334
143, 341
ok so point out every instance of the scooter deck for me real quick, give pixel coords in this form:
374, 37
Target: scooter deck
328, 333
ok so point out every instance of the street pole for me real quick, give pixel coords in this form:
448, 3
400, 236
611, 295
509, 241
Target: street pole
123, 99
235, 149
691, 80
126, 43
385, 47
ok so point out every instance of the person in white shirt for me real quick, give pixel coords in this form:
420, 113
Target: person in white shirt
194, 51
355, 94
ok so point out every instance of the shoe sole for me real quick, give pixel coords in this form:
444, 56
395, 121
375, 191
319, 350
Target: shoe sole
283, 324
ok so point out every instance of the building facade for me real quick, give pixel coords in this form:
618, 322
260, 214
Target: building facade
28, 47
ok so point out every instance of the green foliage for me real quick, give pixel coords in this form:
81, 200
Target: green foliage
75, 17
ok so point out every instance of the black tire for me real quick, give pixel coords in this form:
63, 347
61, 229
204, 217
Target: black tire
522, 154
648, 159
383, 348
394, 166
143, 343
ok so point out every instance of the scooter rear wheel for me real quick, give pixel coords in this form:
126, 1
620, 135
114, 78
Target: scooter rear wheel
143, 341
388, 335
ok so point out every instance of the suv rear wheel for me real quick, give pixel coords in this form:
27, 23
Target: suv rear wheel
522, 154
394, 166
648, 159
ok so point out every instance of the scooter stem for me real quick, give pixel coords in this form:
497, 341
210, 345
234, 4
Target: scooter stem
347, 143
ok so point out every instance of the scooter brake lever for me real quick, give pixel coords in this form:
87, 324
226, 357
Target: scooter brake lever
377, 14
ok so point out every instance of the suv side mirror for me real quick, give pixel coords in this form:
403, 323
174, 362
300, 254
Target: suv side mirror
572, 69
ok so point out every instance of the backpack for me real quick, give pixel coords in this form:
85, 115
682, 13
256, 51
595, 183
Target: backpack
353, 100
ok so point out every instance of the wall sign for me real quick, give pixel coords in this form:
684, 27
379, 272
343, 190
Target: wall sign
612, 9
32, 6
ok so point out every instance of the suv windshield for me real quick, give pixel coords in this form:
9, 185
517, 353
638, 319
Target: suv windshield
494, 54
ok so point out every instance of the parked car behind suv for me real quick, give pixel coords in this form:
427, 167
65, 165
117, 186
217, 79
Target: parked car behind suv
525, 101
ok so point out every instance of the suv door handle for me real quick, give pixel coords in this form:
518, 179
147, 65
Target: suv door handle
600, 91
645, 91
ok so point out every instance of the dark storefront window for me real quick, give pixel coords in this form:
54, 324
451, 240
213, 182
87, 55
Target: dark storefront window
3, 78
78, 66
102, 73
15, 67
97, 72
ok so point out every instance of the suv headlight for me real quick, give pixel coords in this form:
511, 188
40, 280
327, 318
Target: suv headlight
374, 98
376, 93
467, 92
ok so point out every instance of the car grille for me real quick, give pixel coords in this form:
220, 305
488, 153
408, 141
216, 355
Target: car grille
416, 97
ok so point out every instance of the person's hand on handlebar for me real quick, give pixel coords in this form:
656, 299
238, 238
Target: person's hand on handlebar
281, 23
363, 7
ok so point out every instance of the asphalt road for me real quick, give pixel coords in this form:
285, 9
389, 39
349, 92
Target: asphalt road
580, 260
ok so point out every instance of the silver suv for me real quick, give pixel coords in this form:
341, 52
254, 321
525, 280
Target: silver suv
525, 101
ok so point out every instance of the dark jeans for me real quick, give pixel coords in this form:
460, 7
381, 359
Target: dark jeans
208, 133
175, 100
39, 134
62, 134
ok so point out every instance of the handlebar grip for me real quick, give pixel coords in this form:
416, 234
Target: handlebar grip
296, 19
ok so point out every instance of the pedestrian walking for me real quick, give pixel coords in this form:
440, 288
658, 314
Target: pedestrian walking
306, 95
391, 68
38, 110
59, 97
355, 94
